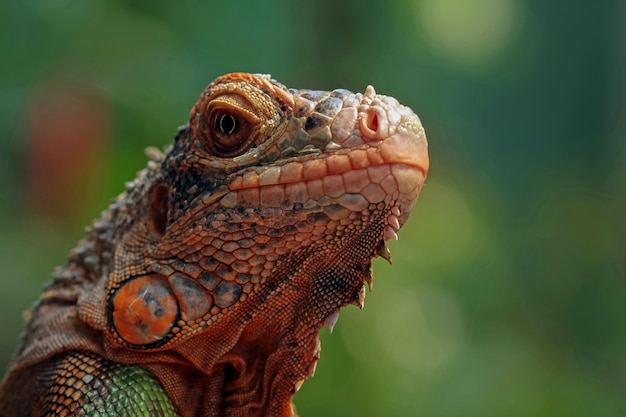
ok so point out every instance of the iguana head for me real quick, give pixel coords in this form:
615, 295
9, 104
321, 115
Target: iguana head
250, 233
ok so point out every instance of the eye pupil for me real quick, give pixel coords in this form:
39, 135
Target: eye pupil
226, 124
229, 131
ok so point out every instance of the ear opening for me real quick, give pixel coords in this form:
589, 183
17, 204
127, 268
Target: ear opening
159, 206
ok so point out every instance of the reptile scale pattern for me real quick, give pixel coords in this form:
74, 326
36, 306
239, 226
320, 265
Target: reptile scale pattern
202, 289
89, 386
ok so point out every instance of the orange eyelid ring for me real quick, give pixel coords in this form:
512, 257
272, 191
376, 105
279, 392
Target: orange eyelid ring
144, 310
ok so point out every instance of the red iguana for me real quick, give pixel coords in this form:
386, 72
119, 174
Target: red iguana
202, 289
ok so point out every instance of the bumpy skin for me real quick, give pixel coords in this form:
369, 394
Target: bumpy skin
202, 289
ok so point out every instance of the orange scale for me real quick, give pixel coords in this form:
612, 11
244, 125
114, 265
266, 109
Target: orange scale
230, 246
272, 196
236, 183
144, 310
255, 271
338, 164
243, 254
356, 180
262, 249
256, 260
334, 186
241, 267
245, 243
224, 257
282, 251
297, 192
250, 179
249, 197
291, 173
359, 159
378, 173
314, 169
389, 184
373, 193
315, 189
269, 176
374, 156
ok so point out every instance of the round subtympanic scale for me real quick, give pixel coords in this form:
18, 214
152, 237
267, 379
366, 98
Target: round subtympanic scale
144, 309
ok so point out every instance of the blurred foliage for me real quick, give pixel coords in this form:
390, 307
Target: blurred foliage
507, 293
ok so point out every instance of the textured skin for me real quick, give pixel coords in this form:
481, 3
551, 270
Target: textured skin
87, 383
203, 287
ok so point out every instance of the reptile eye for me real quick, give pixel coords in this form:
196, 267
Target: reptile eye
231, 132
229, 119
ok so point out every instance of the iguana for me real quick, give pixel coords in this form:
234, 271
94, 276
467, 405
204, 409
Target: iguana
202, 289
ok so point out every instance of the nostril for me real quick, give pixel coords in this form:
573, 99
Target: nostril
374, 124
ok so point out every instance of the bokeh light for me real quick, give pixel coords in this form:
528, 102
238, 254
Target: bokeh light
470, 32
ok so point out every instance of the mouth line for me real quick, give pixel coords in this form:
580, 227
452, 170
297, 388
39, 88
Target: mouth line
349, 164
374, 183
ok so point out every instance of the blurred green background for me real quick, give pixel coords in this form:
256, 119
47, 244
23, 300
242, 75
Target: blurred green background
507, 293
